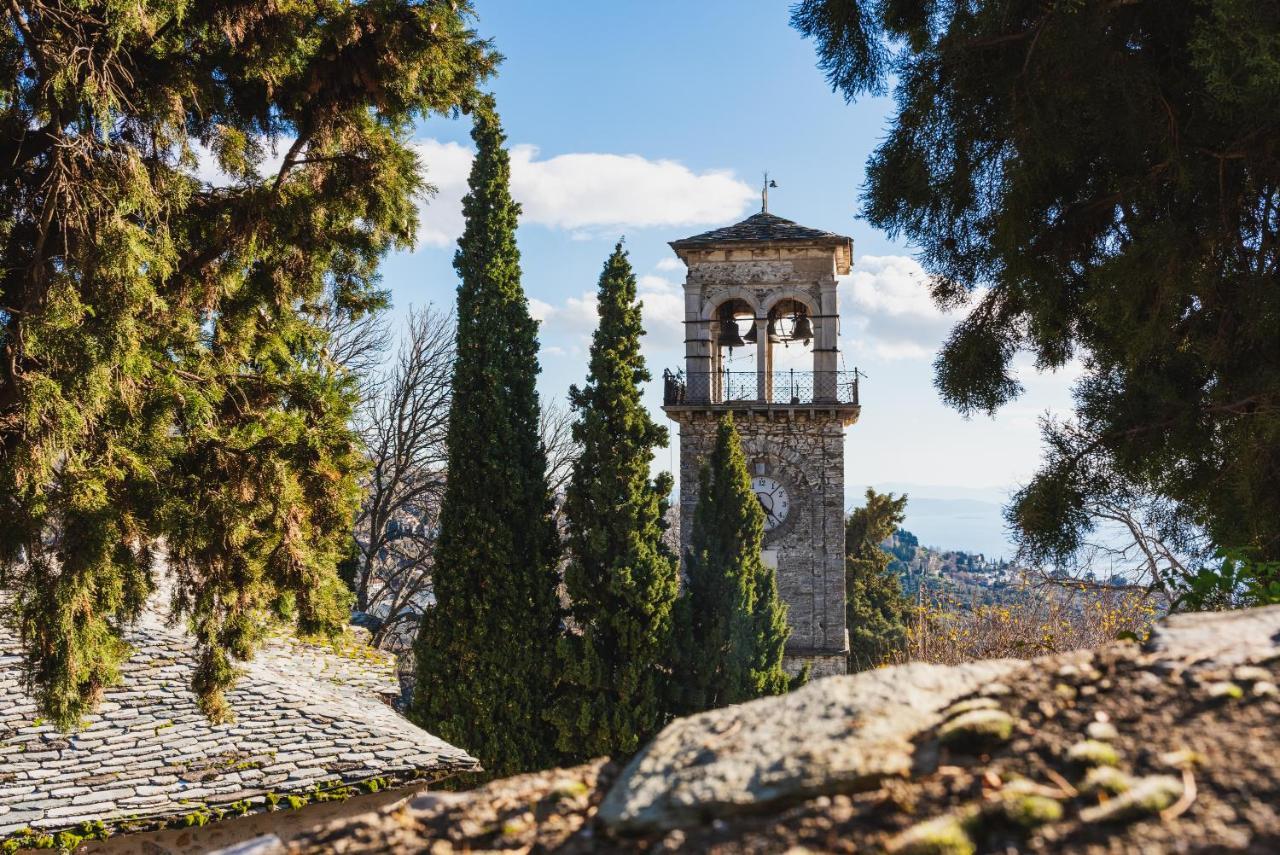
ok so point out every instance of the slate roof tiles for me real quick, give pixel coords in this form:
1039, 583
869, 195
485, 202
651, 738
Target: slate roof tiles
761, 227
306, 717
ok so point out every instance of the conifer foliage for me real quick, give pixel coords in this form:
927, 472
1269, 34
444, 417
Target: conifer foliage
161, 375
621, 579
731, 625
876, 609
486, 651
1102, 180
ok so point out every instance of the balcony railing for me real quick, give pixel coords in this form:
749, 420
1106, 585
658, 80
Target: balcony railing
781, 387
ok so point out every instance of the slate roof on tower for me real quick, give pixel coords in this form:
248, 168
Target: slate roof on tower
761, 227
308, 718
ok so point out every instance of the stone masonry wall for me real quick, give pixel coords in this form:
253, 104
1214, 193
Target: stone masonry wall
804, 449
819, 665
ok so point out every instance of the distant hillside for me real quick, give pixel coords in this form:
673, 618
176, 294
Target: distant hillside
970, 577
968, 518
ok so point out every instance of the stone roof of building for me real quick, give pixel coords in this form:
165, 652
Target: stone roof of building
761, 227
308, 719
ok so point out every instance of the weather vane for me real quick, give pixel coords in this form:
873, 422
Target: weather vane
764, 193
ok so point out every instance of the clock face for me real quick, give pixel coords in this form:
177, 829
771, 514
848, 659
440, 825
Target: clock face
774, 500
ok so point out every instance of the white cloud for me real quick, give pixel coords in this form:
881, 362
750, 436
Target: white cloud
584, 193
575, 191
893, 285
566, 327
662, 311
671, 265
540, 310
888, 312
891, 351
445, 166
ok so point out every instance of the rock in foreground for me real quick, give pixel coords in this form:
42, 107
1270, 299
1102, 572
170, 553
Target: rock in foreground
1171, 748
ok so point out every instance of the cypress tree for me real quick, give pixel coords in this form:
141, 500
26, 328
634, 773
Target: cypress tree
621, 579
486, 650
730, 624
875, 607
770, 634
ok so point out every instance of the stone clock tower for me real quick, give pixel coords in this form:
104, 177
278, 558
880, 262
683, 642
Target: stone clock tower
751, 289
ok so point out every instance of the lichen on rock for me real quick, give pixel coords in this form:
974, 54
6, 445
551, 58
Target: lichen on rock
1105, 779
977, 728
1147, 796
1093, 752
943, 835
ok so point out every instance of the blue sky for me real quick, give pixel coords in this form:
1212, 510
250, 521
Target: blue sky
654, 121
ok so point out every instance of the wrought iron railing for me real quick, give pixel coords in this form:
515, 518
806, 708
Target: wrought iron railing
780, 387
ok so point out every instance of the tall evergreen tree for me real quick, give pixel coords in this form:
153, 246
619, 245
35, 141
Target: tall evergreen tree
730, 624
162, 374
486, 650
769, 634
621, 579
876, 609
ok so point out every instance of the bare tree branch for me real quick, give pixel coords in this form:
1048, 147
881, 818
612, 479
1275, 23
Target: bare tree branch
357, 344
1135, 542
404, 424
556, 428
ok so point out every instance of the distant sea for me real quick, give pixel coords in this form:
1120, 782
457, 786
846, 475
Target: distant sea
967, 519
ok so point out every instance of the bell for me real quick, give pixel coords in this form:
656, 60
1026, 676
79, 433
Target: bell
752, 336
729, 336
774, 338
802, 330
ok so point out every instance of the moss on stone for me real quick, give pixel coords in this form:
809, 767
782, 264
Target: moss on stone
514, 828
1224, 691
1105, 779
943, 835
969, 706
197, 818
65, 841
571, 790
1183, 758
1093, 752
977, 729
1030, 809
1146, 797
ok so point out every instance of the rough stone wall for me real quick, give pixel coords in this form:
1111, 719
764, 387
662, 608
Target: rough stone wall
824, 665
1169, 748
804, 449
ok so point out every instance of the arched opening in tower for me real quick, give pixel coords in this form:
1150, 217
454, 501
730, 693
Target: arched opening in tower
735, 362
790, 358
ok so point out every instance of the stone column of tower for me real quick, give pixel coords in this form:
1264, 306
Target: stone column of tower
769, 272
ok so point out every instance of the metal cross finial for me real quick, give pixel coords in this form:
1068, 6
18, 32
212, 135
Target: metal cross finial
764, 193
